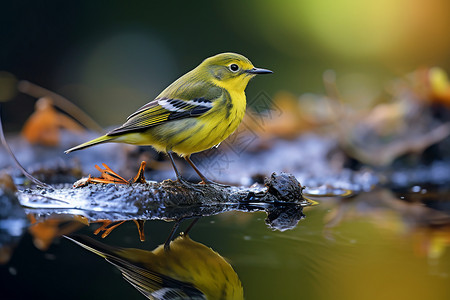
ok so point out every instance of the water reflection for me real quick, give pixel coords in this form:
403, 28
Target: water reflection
188, 270
46, 230
284, 217
47, 226
366, 246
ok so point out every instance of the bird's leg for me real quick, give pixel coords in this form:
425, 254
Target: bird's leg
203, 177
186, 232
174, 230
179, 178
172, 233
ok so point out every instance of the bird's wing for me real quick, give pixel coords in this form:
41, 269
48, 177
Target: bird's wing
154, 285
185, 101
150, 283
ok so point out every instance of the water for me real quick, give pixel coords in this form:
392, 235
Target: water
373, 246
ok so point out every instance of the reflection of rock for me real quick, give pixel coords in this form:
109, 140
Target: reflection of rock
13, 220
189, 270
284, 217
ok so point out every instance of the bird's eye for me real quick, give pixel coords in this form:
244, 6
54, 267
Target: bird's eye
234, 68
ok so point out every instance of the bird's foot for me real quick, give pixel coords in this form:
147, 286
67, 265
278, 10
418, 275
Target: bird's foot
210, 182
139, 178
190, 185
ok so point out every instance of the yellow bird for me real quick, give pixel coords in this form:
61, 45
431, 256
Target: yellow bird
189, 270
196, 112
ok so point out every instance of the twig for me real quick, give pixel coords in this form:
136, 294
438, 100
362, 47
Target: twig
18, 165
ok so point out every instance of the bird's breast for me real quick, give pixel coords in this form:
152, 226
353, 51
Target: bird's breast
229, 113
215, 126
191, 135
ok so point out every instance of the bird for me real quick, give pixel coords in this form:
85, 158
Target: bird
195, 113
188, 270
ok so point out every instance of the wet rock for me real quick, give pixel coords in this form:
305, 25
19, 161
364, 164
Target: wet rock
164, 200
284, 187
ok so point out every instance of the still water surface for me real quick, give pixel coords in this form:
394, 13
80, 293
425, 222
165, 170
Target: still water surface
373, 246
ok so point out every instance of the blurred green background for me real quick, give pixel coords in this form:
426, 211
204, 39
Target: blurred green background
110, 57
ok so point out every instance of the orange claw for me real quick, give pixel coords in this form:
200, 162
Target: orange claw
108, 226
107, 230
140, 226
109, 176
139, 178
103, 227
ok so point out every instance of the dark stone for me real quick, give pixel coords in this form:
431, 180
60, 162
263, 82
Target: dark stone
284, 187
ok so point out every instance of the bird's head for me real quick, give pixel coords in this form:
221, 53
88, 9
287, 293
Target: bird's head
230, 70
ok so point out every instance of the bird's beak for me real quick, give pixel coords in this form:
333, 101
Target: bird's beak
259, 71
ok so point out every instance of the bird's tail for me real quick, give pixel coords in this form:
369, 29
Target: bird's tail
99, 140
92, 245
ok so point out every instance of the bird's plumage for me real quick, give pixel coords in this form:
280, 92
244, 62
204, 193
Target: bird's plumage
189, 270
183, 101
196, 112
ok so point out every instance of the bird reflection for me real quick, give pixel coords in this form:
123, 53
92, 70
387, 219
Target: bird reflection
188, 270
